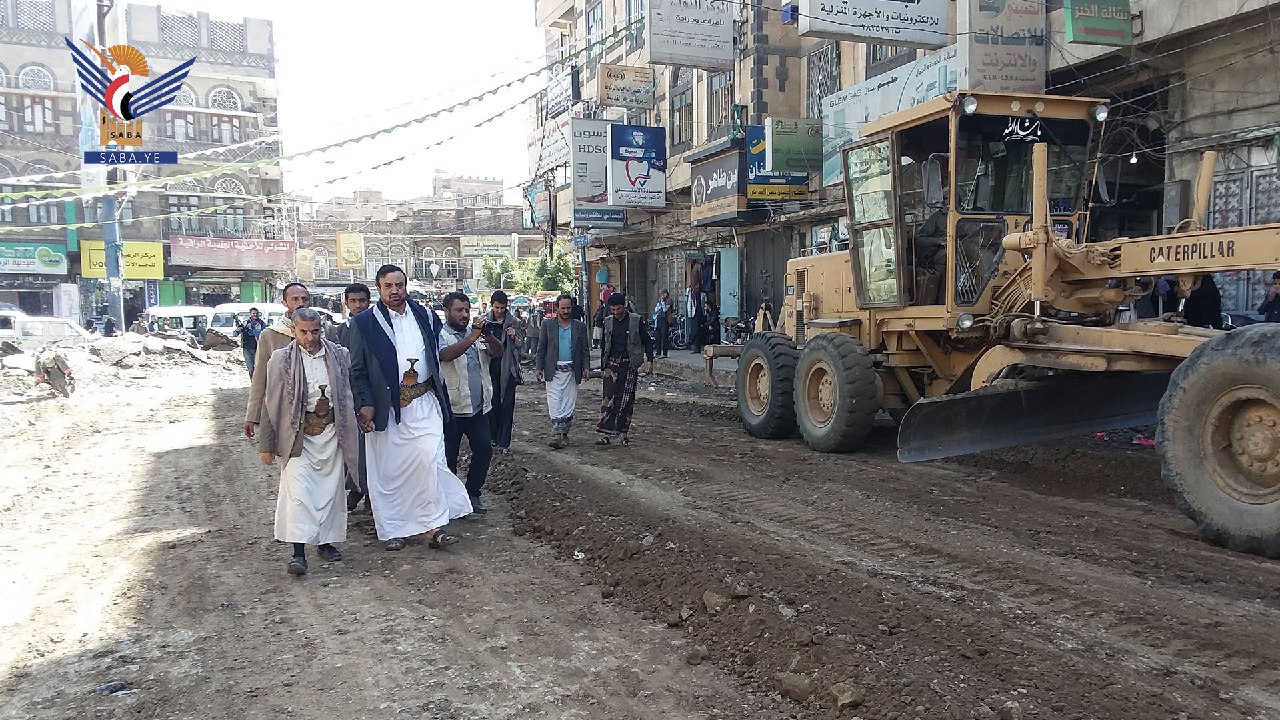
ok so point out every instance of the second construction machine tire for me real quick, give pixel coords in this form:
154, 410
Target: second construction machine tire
1219, 438
835, 393
766, 377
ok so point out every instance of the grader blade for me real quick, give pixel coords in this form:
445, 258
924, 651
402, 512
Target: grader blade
1037, 411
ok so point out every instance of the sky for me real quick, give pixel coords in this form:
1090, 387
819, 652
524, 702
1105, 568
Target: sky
347, 68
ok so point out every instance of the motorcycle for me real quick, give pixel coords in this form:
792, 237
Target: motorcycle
737, 330
52, 368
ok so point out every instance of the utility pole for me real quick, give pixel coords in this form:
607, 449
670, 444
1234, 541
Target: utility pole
110, 208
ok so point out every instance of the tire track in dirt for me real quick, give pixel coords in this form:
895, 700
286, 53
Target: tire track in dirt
1184, 625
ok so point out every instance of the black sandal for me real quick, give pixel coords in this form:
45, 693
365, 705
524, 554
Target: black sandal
604, 440
438, 539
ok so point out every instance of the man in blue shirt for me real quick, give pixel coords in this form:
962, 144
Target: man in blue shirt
564, 361
249, 330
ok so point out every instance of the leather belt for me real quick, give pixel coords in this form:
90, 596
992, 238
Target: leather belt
409, 393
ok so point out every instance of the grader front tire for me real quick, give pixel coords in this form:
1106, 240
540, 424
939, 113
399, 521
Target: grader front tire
1219, 439
766, 376
835, 393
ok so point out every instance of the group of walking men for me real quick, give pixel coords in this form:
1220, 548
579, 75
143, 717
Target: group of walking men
378, 406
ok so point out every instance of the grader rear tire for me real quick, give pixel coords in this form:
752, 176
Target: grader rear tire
766, 377
1219, 439
835, 393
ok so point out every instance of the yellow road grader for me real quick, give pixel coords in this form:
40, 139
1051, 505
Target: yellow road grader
970, 309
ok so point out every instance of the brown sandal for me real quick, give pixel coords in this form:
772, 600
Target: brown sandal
438, 539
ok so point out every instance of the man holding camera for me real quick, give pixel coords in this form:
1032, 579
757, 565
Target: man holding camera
464, 364
249, 330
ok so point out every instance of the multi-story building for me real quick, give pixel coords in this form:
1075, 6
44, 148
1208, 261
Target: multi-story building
439, 240
1192, 76
696, 107
224, 115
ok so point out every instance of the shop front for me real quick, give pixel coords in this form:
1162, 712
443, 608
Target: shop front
30, 273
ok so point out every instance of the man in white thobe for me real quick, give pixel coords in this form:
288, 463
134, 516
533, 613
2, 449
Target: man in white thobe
403, 408
308, 420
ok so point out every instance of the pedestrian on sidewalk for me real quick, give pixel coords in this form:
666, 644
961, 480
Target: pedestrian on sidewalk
626, 351
277, 335
309, 421
249, 331
564, 362
355, 297
504, 372
466, 347
404, 408
662, 323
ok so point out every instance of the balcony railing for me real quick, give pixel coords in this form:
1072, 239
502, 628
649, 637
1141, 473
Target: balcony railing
223, 226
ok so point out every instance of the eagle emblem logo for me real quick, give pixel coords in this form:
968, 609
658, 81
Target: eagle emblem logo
114, 85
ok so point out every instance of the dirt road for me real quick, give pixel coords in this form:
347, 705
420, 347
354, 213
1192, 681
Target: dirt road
136, 558
697, 574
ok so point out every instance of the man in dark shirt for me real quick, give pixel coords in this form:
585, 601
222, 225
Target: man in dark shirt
249, 330
626, 350
1270, 308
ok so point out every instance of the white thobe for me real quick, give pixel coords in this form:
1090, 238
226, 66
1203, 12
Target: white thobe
411, 488
311, 507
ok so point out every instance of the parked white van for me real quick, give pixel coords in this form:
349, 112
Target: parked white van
194, 319
226, 315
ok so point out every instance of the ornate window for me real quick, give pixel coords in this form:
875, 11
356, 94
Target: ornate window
229, 220
5, 123
37, 114
226, 36
177, 223
186, 185
401, 255
34, 77
225, 129
179, 30
321, 268
375, 256
35, 15
681, 119
178, 125
422, 264
43, 213
449, 263
224, 99
186, 97
229, 186
595, 32
822, 77
6, 211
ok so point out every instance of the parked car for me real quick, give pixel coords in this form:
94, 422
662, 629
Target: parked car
225, 315
35, 329
195, 319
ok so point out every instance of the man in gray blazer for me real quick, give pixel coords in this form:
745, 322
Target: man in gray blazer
564, 361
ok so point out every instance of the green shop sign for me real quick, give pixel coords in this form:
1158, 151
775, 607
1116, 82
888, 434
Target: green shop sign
1099, 22
33, 258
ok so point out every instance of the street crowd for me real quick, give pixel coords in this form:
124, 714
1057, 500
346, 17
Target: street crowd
375, 409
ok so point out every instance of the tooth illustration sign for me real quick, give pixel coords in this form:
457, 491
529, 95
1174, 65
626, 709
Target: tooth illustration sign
637, 173
637, 166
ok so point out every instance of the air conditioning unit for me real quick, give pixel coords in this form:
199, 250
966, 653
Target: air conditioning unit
790, 13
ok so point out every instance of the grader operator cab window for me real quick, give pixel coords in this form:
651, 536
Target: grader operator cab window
869, 174
993, 163
923, 165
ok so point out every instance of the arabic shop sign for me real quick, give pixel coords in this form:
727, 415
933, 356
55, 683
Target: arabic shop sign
909, 23
690, 33
637, 169
792, 144
1002, 46
589, 176
140, 260
627, 87
231, 253
764, 187
563, 90
39, 258
844, 112
717, 189
1099, 22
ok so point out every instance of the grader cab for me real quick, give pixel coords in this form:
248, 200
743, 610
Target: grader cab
971, 310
